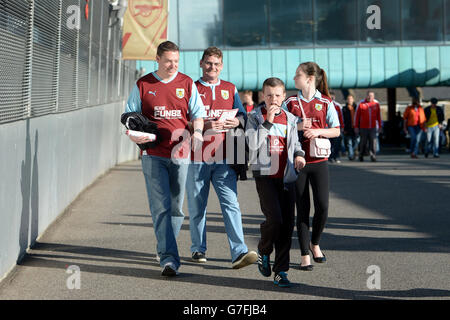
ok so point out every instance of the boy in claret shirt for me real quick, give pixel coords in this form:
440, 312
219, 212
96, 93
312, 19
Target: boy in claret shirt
275, 156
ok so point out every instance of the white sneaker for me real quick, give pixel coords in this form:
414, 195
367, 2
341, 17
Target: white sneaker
244, 260
169, 270
158, 258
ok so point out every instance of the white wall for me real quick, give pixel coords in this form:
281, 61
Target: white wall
45, 162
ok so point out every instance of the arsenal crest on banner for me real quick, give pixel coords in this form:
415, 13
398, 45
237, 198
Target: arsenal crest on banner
144, 28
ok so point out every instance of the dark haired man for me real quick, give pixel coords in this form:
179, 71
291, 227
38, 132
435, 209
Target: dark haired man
211, 166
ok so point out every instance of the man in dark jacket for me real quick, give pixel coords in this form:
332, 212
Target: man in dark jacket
435, 117
350, 139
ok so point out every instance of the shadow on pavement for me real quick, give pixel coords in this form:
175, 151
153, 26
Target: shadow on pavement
36, 259
418, 202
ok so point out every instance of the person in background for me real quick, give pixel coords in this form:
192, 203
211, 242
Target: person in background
414, 124
247, 99
367, 124
434, 118
348, 115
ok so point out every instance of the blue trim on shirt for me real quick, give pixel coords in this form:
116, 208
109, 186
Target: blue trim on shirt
332, 116
196, 107
134, 103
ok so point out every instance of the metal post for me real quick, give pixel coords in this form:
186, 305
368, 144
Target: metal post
58, 56
29, 60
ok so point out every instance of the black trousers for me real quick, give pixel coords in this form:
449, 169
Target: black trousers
278, 206
316, 175
368, 137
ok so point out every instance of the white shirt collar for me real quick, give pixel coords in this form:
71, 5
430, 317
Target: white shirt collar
159, 79
317, 94
206, 84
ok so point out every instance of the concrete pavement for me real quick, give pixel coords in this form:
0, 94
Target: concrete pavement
388, 218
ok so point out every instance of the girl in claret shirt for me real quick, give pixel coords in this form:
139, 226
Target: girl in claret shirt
320, 119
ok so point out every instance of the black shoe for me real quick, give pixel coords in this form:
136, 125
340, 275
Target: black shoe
264, 265
198, 257
436, 156
244, 259
319, 259
169, 270
361, 159
281, 280
309, 267
373, 159
426, 154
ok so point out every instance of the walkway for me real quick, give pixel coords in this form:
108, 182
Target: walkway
393, 214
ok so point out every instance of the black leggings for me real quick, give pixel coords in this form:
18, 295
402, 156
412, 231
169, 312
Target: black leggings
315, 174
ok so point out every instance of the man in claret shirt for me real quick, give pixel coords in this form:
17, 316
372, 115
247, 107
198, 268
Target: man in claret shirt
170, 99
210, 165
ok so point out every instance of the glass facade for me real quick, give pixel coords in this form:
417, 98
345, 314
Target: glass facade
447, 20
389, 15
200, 24
311, 23
336, 22
293, 27
422, 20
246, 23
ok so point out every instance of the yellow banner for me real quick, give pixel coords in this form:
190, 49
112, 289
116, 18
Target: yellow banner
144, 28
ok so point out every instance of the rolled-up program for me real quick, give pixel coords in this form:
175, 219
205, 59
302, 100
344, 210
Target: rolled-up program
137, 134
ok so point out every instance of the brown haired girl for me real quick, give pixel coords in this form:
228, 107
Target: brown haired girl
317, 118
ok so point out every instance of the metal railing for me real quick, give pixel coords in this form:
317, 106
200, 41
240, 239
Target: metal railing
59, 56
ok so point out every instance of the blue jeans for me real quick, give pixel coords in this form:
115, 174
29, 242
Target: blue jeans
165, 181
224, 181
351, 144
415, 133
432, 140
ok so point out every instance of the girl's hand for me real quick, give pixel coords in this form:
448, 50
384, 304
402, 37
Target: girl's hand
311, 133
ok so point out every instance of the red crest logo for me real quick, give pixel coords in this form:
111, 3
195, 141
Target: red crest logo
145, 12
